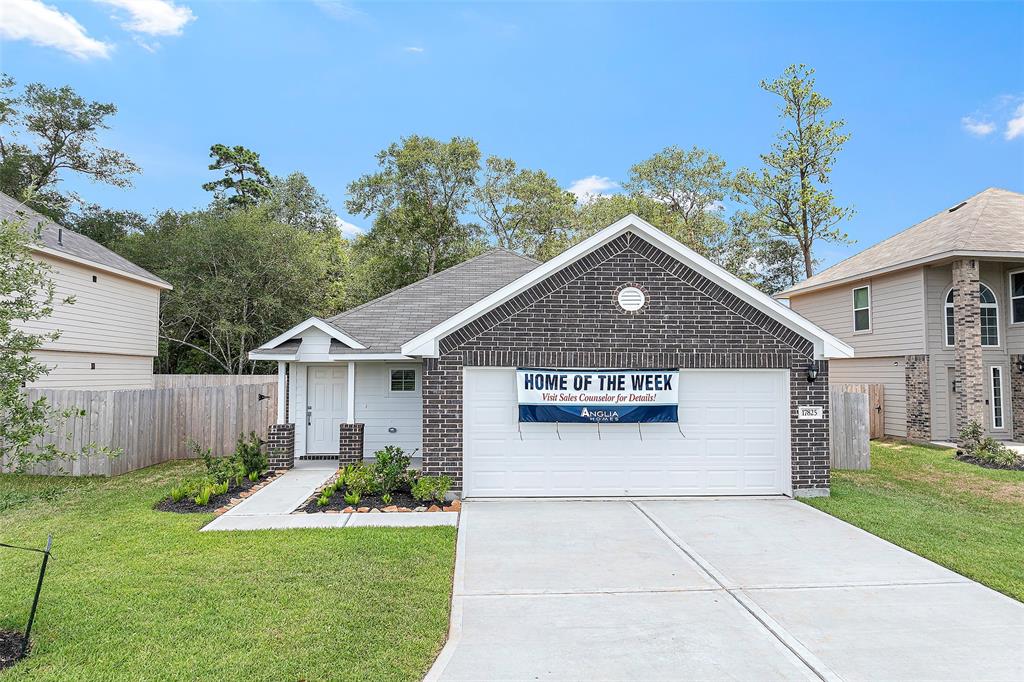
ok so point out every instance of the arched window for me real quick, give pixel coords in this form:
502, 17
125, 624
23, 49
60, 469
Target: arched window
989, 318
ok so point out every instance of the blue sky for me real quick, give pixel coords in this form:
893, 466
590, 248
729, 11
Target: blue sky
933, 93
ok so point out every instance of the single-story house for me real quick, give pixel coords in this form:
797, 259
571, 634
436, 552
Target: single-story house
110, 334
935, 314
627, 365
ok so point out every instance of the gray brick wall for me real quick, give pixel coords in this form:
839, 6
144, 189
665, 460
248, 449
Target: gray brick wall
919, 398
970, 396
281, 446
350, 443
1017, 397
572, 319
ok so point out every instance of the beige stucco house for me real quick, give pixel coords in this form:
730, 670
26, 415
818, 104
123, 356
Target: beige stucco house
108, 336
936, 314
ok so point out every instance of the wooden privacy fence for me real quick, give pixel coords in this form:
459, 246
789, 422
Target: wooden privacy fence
151, 426
197, 380
851, 413
876, 404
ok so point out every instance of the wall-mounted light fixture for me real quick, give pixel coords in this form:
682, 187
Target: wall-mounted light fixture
1020, 365
812, 373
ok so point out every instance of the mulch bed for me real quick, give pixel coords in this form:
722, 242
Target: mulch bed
990, 465
188, 505
337, 503
12, 646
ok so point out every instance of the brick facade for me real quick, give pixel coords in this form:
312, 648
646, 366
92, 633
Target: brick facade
1017, 397
350, 443
281, 446
572, 319
919, 398
970, 395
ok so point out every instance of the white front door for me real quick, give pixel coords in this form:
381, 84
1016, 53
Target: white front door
732, 439
326, 391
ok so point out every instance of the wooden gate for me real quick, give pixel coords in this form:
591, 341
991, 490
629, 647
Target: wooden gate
850, 441
876, 404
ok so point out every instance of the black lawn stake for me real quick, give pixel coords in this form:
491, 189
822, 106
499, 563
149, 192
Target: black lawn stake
39, 585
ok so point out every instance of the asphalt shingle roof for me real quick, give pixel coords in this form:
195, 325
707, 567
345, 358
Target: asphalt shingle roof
70, 242
991, 221
384, 324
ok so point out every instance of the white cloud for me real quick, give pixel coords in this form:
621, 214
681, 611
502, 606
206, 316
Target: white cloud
589, 188
340, 10
1015, 126
44, 25
347, 229
414, 49
976, 127
153, 17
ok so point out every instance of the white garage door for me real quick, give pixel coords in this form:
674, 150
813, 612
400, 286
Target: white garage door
732, 439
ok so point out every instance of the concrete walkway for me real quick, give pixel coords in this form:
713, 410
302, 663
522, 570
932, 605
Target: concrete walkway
710, 589
271, 508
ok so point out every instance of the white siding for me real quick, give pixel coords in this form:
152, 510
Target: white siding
112, 315
379, 409
897, 314
74, 371
891, 372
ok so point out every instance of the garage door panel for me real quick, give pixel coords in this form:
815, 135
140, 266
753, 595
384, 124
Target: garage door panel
730, 441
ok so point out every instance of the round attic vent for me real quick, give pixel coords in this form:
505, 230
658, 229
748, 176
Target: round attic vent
632, 299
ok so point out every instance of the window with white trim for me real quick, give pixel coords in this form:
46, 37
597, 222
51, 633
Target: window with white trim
997, 397
989, 318
862, 309
403, 380
1017, 297
950, 320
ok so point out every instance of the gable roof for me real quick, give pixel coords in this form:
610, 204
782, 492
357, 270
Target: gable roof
61, 242
825, 345
381, 326
989, 223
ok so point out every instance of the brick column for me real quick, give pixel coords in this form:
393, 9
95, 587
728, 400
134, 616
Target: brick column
970, 395
281, 446
350, 443
919, 398
810, 437
1017, 397
442, 418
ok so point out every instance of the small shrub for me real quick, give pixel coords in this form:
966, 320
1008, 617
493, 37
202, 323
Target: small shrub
250, 455
179, 492
985, 448
431, 488
386, 498
360, 480
389, 468
203, 497
254, 476
189, 487
352, 498
323, 500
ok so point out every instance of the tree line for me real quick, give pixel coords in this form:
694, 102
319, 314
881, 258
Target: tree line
267, 252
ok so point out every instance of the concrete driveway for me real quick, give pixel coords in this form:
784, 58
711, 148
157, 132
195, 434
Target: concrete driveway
710, 589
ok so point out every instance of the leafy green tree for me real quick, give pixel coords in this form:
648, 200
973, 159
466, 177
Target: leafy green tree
525, 210
243, 174
106, 226
239, 277
47, 131
27, 295
693, 184
419, 196
294, 201
790, 194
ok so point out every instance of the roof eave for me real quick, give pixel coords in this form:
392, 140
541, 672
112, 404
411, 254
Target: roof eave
955, 253
152, 281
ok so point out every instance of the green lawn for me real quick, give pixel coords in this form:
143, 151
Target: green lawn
139, 594
964, 517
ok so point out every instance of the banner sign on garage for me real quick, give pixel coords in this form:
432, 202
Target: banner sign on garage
602, 396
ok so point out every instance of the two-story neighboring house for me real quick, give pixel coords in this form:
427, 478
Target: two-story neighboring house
936, 314
109, 335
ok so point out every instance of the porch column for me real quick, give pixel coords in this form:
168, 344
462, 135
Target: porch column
970, 394
351, 417
282, 397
